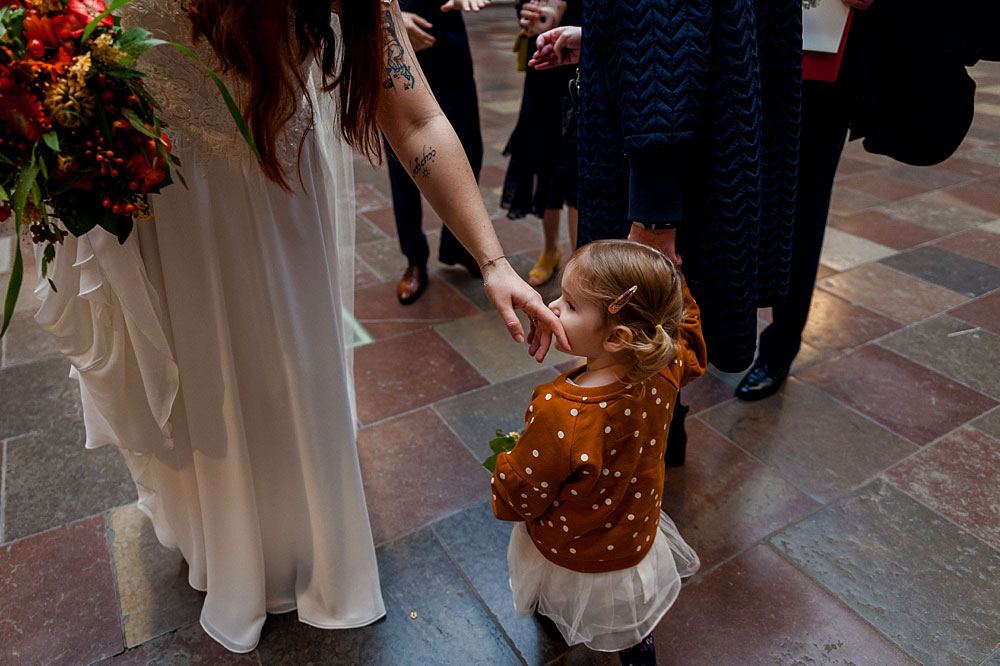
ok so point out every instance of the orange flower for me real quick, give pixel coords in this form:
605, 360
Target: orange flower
23, 111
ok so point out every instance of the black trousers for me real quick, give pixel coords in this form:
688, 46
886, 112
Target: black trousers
825, 120
459, 102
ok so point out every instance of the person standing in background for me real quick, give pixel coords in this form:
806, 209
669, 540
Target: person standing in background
438, 35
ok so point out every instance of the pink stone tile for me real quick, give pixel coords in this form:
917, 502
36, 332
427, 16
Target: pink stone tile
907, 398
369, 198
975, 243
398, 374
704, 392
846, 201
884, 229
849, 166
958, 477
759, 609
384, 219
967, 167
58, 603
363, 276
836, 325
379, 311
415, 471
723, 501
881, 186
984, 312
983, 194
891, 293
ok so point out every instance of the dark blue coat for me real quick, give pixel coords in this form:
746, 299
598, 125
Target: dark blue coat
689, 114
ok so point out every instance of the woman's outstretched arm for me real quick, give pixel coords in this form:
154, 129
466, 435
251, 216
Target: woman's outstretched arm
426, 144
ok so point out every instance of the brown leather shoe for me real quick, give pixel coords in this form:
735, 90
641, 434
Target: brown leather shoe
412, 284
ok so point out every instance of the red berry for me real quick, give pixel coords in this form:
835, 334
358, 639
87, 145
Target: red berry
129, 209
132, 99
36, 49
109, 108
116, 209
106, 203
102, 80
107, 96
119, 161
134, 185
114, 173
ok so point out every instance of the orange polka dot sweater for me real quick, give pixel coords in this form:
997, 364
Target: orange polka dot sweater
586, 475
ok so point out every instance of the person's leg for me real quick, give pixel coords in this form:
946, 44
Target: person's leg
641, 654
824, 130
407, 212
572, 219
463, 114
551, 257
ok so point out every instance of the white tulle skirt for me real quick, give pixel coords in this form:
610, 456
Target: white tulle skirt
607, 611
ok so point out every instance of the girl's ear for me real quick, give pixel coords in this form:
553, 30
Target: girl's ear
617, 339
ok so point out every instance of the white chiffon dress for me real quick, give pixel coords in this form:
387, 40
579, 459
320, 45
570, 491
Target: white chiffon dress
212, 348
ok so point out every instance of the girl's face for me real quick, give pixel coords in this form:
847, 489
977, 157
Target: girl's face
581, 319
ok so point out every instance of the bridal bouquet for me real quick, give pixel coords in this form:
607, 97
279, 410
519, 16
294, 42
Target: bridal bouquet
81, 145
503, 442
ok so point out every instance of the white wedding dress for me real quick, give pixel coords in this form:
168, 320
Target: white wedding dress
212, 349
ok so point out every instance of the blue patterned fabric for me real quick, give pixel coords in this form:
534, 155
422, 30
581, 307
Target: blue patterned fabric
716, 85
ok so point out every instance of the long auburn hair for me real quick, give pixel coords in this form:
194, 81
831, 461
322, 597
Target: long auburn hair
249, 38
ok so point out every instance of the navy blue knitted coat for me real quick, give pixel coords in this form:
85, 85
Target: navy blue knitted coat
694, 106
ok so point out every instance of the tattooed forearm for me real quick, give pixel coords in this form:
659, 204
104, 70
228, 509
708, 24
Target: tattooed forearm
422, 165
396, 67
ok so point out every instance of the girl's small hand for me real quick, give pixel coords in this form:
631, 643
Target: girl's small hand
464, 5
559, 46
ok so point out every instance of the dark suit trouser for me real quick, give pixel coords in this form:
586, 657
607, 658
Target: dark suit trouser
824, 130
459, 102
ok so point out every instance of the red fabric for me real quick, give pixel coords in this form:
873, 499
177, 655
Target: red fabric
817, 66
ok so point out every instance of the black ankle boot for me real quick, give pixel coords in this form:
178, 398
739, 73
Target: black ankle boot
676, 438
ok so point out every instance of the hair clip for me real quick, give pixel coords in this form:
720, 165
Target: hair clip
623, 300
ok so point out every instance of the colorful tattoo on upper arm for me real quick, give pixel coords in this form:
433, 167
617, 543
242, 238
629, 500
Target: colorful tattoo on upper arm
396, 67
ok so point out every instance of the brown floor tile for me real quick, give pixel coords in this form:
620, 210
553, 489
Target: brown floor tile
905, 397
836, 325
983, 195
723, 501
378, 309
849, 166
153, 589
891, 293
363, 276
932, 211
956, 349
975, 243
957, 476
967, 167
916, 577
415, 471
984, 312
58, 597
384, 219
402, 373
483, 340
365, 231
369, 198
184, 647
989, 423
885, 229
947, 269
822, 447
25, 342
881, 186
759, 609
53, 480
845, 201
704, 392
926, 177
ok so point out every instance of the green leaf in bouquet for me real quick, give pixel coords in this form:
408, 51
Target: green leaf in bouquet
119, 226
120, 72
51, 140
137, 41
48, 254
115, 5
25, 182
491, 462
12, 24
136, 122
498, 445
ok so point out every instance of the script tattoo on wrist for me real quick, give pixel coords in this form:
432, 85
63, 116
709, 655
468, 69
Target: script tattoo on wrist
422, 165
396, 66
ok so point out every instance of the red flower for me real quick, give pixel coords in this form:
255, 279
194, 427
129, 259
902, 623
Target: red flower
23, 111
85, 11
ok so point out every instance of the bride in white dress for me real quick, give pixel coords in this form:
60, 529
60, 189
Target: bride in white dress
212, 348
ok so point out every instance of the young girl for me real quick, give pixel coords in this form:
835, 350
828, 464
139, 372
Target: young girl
593, 551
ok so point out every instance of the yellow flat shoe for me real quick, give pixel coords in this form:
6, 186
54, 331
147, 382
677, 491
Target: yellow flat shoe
543, 270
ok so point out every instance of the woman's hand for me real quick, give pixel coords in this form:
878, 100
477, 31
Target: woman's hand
536, 19
464, 5
559, 46
662, 239
416, 27
508, 292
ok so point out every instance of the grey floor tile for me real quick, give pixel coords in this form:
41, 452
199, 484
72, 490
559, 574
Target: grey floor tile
483, 341
947, 269
822, 447
36, 394
993, 659
450, 627
989, 423
960, 351
25, 341
478, 543
920, 580
928, 211
476, 415
53, 480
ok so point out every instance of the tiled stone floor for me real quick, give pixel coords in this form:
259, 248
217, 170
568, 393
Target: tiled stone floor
852, 519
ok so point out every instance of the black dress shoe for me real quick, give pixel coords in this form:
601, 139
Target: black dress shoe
677, 438
467, 262
761, 382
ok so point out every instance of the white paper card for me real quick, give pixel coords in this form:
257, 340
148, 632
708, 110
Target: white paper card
823, 26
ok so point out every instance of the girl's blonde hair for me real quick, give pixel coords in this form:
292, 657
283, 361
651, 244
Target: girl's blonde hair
603, 270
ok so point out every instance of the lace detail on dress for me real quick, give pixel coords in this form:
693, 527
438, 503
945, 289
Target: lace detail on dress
193, 108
